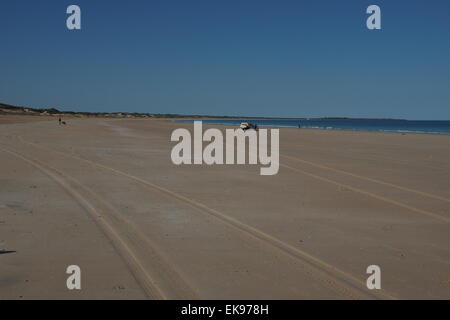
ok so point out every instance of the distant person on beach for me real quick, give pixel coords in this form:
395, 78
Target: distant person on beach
59, 120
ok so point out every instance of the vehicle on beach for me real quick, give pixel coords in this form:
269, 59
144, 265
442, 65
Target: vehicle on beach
247, 125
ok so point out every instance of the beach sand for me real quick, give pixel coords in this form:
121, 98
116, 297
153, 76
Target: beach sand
104, 195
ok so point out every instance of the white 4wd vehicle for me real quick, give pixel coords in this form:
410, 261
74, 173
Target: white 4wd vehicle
247, 125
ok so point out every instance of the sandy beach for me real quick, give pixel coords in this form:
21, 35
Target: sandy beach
105, 195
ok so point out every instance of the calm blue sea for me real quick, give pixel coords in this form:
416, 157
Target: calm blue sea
408, 126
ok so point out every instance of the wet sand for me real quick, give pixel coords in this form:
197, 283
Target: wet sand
104, 195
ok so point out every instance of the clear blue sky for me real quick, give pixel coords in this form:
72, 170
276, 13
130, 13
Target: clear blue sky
229, 57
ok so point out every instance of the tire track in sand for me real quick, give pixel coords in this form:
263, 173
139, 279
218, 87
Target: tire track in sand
373, 157
321, 166
332, 277
373, 195
137, 251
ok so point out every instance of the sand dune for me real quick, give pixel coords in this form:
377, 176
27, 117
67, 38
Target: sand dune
104, 195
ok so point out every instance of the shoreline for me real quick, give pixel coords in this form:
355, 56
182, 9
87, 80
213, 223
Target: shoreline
403, 132
9, 119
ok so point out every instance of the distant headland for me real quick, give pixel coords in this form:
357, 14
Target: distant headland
7, 109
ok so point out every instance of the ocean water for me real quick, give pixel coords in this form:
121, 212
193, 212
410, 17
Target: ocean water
403, 126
